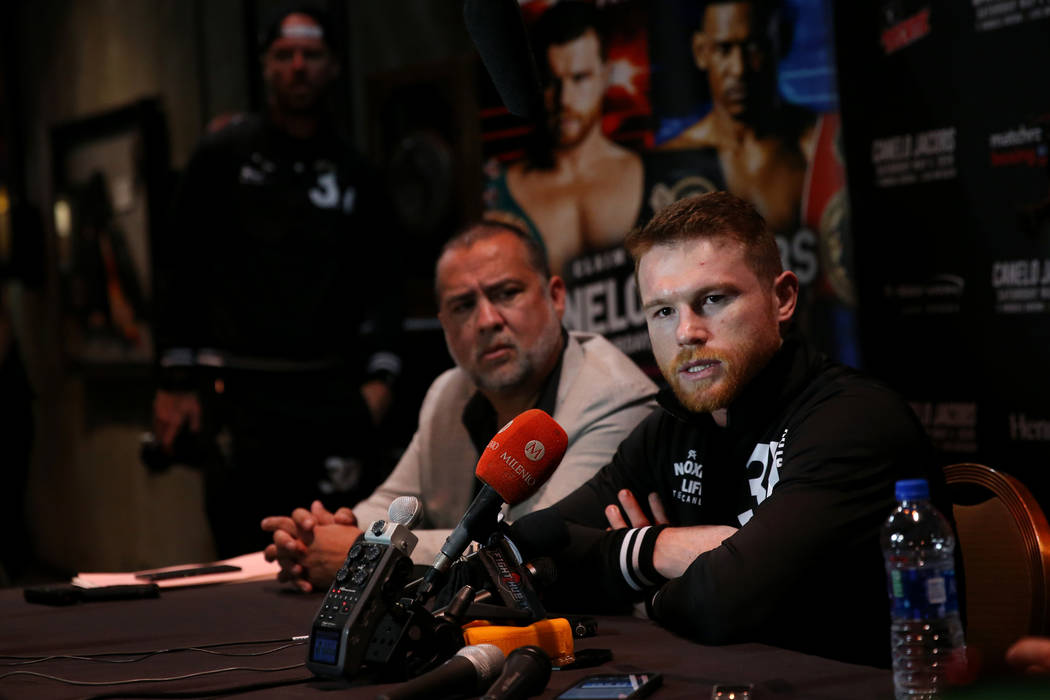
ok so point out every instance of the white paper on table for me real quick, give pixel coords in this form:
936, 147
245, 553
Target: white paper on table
254, 567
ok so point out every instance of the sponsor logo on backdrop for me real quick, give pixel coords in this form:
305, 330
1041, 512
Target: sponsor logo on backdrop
940, 295
1027, 428
951, 425
1021, 286
1022, 145
999, 14
907, 159
900, 31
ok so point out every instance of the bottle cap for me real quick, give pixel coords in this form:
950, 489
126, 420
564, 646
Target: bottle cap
911, 489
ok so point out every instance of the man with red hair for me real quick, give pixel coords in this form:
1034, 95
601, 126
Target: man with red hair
766, 477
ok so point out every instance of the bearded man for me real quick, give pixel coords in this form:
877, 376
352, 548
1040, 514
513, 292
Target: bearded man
766, 475
501, 310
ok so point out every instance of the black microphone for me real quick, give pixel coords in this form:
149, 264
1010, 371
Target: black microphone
498, 32
526, 673
469, 672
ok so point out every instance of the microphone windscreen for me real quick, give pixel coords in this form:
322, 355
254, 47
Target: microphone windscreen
488, 662
522, 455
498, 32
405, 510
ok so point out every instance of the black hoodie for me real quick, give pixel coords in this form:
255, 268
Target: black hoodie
805, 467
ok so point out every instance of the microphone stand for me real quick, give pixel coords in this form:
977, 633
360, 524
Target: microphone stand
410, 640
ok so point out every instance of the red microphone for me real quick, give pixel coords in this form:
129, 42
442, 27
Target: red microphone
521, 457
517, 461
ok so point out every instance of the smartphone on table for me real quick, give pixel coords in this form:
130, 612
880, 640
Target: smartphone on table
613, 686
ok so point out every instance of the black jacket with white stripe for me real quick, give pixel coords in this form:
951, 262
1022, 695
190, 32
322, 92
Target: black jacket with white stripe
805, 468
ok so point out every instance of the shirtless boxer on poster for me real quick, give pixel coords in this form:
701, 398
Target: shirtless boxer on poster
590, 195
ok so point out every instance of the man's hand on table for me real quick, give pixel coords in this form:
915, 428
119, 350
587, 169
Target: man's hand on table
311, 545
676, 547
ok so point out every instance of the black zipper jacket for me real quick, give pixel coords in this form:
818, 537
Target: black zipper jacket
805, 468
276, 252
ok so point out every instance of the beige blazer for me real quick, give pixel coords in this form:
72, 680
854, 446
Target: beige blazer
602, 396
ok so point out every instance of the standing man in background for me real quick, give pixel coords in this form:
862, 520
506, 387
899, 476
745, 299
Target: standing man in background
264, 275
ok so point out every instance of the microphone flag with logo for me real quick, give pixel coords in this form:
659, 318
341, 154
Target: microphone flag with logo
517, 461
521, 457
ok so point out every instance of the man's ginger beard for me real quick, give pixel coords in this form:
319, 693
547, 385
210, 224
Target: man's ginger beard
739, 366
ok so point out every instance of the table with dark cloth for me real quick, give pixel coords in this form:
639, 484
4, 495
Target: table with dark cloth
268, 611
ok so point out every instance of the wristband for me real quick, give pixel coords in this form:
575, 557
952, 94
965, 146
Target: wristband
635, 557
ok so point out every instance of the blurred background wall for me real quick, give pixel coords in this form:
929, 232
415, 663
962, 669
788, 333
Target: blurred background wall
91, 503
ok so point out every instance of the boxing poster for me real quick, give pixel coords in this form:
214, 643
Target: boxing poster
951, 199
648, 102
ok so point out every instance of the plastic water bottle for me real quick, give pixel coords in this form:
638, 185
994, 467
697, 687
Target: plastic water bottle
926, 632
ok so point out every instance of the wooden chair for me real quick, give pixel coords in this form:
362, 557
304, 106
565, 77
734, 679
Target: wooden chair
1005, 542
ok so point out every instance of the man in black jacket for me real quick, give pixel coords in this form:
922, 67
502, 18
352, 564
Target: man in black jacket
276, 259
766, 478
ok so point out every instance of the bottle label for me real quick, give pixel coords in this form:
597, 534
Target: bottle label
916, 594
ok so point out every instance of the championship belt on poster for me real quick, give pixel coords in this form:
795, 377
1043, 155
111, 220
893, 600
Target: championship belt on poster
825, 207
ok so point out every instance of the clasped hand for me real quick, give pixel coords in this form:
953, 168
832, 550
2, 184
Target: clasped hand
311, 545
